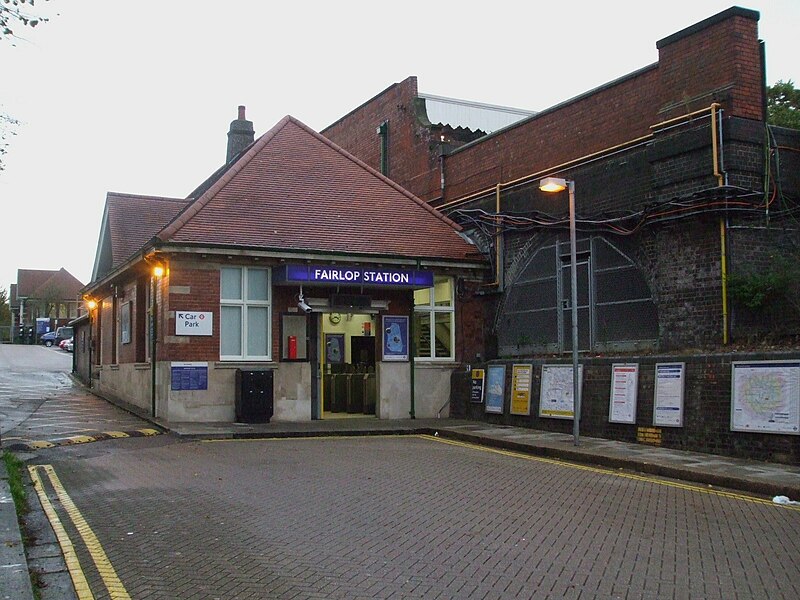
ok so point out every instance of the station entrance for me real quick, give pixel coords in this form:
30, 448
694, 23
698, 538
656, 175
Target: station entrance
347, 365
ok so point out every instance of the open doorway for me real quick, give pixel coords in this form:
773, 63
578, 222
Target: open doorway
347, 364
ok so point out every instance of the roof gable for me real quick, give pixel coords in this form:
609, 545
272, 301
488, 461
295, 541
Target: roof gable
296, 190
28, 280
37, 283
129, 222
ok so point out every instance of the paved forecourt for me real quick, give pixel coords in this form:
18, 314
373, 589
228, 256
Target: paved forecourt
402, 517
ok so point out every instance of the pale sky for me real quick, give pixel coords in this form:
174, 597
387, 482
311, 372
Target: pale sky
137, 97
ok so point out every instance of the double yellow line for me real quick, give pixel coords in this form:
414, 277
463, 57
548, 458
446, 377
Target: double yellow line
599, 470
112, 582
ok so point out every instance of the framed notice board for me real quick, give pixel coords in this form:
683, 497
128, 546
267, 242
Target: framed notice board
624, 384
765, 396
668, 401
476, 388
495, 388
521, 378
556, 397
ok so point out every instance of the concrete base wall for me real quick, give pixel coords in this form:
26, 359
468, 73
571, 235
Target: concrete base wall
292, 392
217, 403
129, 383
394, 385
432, 390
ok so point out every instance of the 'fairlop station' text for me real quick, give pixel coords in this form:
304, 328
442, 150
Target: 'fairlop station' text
355, 276
352, 276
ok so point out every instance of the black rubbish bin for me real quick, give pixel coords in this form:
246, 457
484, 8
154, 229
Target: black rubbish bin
254, 401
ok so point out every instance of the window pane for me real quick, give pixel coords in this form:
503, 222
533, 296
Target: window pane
231, 331
257, 288
422, 297
231, 283
257, 329
422, 334
443, 291
442, 342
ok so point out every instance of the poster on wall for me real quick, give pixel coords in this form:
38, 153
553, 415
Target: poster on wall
477, 385
555, 399
125, 323
188, 376
395, 338
765, 396
521, 378
334, 348
624, 385
668, 395
495, 388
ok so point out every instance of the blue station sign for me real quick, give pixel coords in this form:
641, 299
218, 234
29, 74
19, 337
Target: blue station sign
355, 276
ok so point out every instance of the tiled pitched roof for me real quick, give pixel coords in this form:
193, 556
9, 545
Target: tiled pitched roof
296, 190
30, 279
133, 220
36, 283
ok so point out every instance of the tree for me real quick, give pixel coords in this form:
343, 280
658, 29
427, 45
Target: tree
7, 123
783, 105
50, 302
5, 309
12, 12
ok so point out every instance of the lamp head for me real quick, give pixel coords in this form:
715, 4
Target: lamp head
553, 184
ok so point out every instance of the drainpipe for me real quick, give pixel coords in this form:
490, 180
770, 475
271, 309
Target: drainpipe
412, 352
383, 133
153, 313
716, 146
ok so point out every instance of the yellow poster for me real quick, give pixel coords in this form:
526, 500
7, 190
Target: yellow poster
521, 378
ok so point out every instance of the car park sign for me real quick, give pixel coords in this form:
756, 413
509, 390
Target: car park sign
193, 323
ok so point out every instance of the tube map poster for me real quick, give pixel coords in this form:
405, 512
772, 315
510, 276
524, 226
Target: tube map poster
765, 397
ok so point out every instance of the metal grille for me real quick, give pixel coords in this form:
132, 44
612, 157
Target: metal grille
615, 306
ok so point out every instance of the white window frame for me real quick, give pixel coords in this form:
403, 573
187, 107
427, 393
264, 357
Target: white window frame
245, 304
433, 311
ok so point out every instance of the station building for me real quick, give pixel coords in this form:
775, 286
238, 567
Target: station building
295, 283
682, 188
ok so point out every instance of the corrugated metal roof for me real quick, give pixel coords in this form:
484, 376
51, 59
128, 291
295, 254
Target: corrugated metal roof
471, 115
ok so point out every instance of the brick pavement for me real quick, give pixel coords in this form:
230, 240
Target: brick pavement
412, 517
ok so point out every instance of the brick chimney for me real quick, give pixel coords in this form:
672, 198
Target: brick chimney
240, 135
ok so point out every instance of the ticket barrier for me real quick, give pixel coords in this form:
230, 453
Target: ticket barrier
351, 392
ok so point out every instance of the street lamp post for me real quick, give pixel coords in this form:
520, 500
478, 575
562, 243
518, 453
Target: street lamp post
557, 184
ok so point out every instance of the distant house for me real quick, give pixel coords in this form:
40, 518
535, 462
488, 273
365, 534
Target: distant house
51, 297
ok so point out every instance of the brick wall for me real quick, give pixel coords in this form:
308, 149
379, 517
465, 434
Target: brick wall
411, 159
707, 406
192, 286
717, 60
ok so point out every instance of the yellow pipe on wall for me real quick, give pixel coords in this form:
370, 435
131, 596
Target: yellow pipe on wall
722, 233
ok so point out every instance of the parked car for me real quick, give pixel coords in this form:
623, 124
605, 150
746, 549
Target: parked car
63, 343
49, 338
69, 345
63, 333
